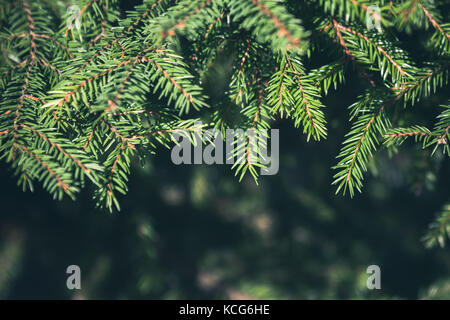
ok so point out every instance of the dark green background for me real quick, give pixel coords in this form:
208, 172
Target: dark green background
195, 232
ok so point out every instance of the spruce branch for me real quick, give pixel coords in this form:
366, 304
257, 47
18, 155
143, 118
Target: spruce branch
89, 101
439, 230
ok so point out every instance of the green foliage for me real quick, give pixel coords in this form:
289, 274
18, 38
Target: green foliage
440, 229
292, 92
362, 141
83, 102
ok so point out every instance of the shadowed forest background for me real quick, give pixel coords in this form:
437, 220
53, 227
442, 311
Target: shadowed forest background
195, 232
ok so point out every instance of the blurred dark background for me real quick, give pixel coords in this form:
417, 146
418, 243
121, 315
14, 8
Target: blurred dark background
195, 232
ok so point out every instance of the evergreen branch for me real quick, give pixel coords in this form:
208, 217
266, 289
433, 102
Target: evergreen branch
434, 22
348, 53
98, 96
66, 97
59, 44
439, 230
370, 43
112, 104
91, 134
361, 143
247, 147
269, 22
207, 33
283, 31
424, 84
18, 66
278, 91
60, 183
59, 148
31, 33
124, 140
238, 86
441, 131
22, 97
356, 11
397, 136
130, 26
90, 11
50, 66
308, 108
212, 24
31, 64
103, 26
181, 23
329, 74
